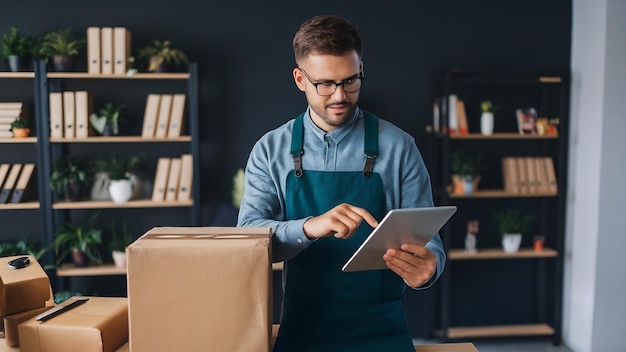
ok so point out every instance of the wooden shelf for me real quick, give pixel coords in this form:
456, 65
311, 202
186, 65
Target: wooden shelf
500, 331
75, 75
32, 140
17, 74
120, 139
110, 269
24, 205
142, 203
500, 193
496, 253
511, 135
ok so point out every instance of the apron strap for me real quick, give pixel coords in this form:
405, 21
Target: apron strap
371, 142
297, 137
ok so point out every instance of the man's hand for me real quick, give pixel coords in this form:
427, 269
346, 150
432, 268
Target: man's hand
413, 263
341, 221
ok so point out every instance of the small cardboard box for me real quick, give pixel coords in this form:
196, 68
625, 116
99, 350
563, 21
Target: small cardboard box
11, 322
22, 289
200, 289
98, 325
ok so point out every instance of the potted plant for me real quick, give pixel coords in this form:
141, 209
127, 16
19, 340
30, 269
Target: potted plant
82, 241
120, 239
161, 56
62, 47
512, 226
18, 49
70, 176
119, 172
466, 170
19, 127
107, 119
486, 118
20, 247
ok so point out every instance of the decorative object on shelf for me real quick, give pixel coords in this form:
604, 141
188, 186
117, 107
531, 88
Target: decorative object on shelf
486, 117
162, 57
19, 127
466, 170
120, 239
82, 241
18, 49
471, 242
61, 47
106, 121
71, 175
512, 226
538, 243
119, 172
526, 121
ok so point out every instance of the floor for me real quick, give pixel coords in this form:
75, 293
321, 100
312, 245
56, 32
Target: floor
508, 345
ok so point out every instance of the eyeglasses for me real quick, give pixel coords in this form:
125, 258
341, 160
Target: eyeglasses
327, 88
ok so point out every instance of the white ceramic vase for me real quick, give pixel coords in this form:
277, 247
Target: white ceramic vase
119, 258
120, 190
486, 123
511, 242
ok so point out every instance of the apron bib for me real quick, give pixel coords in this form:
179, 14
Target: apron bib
324, 308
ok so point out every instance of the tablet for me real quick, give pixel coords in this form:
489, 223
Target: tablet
399, 226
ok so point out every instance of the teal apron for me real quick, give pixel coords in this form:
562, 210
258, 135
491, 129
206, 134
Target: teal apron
324, 308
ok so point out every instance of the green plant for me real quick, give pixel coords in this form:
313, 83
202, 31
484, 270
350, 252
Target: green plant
60, 42
16, 43
159, 52
487, 106
511, 221
21, 247
120, 239
112, 114
462, 164
18, 123
85, 238
118, 168
69, 169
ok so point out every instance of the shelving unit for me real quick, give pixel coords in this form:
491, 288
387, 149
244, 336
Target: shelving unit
465, 310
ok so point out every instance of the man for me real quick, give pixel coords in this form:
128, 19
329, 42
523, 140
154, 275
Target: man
321, 182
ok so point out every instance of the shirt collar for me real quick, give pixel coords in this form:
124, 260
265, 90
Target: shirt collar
337, 134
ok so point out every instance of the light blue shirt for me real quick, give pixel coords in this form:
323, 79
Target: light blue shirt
405, 179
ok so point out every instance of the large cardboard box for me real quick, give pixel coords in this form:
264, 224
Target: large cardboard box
98, 325
200, 289
22, 289
11, 322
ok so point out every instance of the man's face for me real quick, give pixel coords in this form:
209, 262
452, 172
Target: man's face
329, 112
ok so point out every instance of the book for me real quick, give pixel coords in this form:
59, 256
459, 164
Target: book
7, 119
173, 180
160, 179
22, 182
460, 110
531, 171
453, 118
4, 170
10, 113
163, 119
522, 175
552, 185
93, 50
83, 110
436, 116
121, 50
56, 115
11, 105
186, 177
69, 114
176, 116
150, 115
510, 174
106, 49
9, 183
542, 176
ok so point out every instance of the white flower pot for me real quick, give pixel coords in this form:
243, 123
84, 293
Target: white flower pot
511, 242
119, 258
486, 123
120, 190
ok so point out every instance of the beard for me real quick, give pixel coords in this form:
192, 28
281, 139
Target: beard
335, 119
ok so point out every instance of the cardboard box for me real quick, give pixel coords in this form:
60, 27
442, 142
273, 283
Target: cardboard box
11, 322
200, 289
22, 289
98, 325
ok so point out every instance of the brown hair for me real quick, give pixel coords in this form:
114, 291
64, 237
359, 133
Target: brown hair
330, 34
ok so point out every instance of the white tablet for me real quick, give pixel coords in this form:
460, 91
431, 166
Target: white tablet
399, 226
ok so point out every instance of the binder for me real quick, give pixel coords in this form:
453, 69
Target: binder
4, 170
22, 182
121, 50
542, 176
460, 110
8, 119
10, 182
93, 51
106, 49
17, 105
150, 115
173, 180
165, 108
10, 113
532, 174
522, 175
83, 110
56, 115
551, 174
176, 116
509, 173
186, 177
160, 179
69, 114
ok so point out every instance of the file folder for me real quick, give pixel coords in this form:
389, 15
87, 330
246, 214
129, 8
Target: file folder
160, 179
121, 50
186, 177
69, 114
22, 182
165, 108
56, 115
93, 50
150, 115
173, 180
106, 36
176, 117
10, 183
